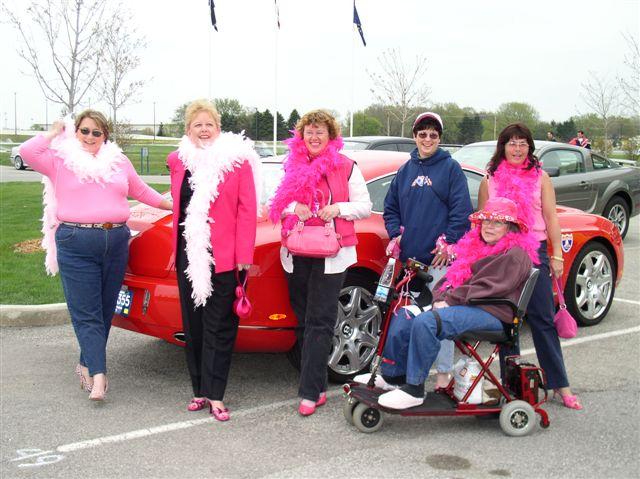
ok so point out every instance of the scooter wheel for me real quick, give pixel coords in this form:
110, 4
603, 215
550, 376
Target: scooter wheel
517, 418
348, 408
367, 418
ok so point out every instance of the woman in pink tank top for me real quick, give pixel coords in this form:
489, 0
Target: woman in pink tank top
514, 172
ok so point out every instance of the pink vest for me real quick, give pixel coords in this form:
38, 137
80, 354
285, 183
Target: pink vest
336, 188
539, 228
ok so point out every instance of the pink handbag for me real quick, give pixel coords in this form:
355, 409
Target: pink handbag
241, 306
315, 239
565, 324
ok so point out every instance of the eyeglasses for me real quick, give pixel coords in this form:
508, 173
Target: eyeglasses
493, 223
94, 133
518, 144
431, 135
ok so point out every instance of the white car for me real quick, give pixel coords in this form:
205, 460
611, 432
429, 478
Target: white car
16, 159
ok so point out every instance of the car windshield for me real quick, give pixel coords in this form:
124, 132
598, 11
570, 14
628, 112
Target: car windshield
354, 145
271, 175
475, 155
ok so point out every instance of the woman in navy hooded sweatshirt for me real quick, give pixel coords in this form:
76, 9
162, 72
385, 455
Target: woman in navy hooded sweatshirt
429, 199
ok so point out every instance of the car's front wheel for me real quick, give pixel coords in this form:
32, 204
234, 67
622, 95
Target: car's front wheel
590, 284
18, 164
617, 212
356, 331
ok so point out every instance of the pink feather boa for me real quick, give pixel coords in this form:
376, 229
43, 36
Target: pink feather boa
519, 185
303, 174
472, 248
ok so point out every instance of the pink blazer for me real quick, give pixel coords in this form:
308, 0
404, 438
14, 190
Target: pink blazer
234, 214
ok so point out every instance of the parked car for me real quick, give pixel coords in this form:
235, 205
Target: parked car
263, 151
592, 250
387, 143
582, 178
16, 160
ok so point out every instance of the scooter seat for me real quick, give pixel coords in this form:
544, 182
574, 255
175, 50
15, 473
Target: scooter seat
480, 335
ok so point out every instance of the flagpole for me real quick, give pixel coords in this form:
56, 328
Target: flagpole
353, 49
275, 98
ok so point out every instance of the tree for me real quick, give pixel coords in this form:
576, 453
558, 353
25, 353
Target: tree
601, 97
265, 126
400, 87
516, 112
60, 43
470, 128
566, 130
178, 114
282, 130
630, 86
294, 117
364, 125
119, 54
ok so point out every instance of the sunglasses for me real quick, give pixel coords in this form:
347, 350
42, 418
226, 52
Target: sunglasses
94, 133
518, 144
431, 135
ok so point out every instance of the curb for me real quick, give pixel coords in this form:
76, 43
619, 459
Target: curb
20, 316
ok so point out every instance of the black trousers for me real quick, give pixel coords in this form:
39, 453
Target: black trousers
314, 299
210, 331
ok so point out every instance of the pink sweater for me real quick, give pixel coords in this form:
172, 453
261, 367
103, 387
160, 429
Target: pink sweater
88, 202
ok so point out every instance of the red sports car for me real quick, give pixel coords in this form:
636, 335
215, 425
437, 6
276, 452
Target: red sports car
149, 301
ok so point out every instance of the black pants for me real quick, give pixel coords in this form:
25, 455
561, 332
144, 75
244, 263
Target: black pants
210, 331
314, 299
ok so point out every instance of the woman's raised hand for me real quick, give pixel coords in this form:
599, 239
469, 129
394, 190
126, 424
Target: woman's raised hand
56, 128
303, 212
329, 212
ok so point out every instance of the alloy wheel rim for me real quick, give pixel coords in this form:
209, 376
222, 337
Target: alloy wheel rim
594, 285
356, 332
618, 217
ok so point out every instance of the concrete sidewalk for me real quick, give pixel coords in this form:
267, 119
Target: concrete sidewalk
20, 316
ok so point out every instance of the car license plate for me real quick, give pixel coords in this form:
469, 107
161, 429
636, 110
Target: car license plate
125, 301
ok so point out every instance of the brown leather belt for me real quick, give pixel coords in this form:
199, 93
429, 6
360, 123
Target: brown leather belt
104, 226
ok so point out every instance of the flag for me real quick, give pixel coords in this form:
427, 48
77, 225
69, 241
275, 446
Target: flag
213, 15
277, 13
356, 20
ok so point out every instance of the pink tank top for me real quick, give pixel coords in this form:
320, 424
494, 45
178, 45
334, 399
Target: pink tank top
539, 228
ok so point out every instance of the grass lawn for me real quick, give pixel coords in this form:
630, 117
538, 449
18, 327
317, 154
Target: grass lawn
22, 276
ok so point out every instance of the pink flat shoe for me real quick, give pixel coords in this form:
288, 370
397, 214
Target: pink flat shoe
305, 410
322, 400
221, 415
197, 404
569, 401
84, 384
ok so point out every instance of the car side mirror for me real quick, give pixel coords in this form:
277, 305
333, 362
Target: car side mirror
552, 171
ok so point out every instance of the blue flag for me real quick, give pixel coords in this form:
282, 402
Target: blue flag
213, 15
356, 20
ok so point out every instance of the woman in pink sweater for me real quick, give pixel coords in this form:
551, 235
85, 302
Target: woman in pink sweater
87, 181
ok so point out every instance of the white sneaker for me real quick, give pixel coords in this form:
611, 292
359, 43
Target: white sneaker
399, 399
379, 382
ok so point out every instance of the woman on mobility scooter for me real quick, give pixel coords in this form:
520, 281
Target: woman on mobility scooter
492, 260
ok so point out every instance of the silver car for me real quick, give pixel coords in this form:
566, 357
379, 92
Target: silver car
581, 178
16, 159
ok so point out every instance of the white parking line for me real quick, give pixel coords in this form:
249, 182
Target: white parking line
630, 301
127, 436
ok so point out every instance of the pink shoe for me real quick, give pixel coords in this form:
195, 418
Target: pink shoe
84, 383
569, 401
322, 400
306, 410
197, 404
221, 415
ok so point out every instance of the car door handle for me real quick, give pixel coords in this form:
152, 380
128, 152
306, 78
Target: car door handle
585, 184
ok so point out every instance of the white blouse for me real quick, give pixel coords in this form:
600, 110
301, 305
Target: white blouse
358, 207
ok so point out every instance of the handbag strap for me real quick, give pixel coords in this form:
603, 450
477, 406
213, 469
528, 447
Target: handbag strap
558, 284
241, 283
321, 204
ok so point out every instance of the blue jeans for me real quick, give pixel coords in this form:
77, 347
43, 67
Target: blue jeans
413, 345
92, 264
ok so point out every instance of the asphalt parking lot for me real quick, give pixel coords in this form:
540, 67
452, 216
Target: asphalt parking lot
50, 429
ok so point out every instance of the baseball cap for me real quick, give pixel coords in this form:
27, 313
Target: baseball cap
428, 114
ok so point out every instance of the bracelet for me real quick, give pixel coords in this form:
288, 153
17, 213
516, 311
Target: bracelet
558, 258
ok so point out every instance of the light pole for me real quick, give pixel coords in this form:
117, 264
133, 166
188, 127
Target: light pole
46, 115
154, 121
15, 113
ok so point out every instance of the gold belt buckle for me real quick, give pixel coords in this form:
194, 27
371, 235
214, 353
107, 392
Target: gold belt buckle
107, 226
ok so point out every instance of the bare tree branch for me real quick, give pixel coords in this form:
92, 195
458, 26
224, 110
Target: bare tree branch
630, 85
400, 87
602, 98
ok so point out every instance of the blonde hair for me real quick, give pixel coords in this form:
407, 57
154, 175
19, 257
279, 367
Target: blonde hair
319, 117
198, 106
96, 116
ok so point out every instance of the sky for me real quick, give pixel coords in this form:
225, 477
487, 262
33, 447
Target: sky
479, 54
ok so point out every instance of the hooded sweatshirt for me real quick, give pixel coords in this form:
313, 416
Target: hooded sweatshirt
428, 197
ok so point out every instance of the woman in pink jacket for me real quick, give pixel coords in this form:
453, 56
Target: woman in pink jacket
87, 181
214, 232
